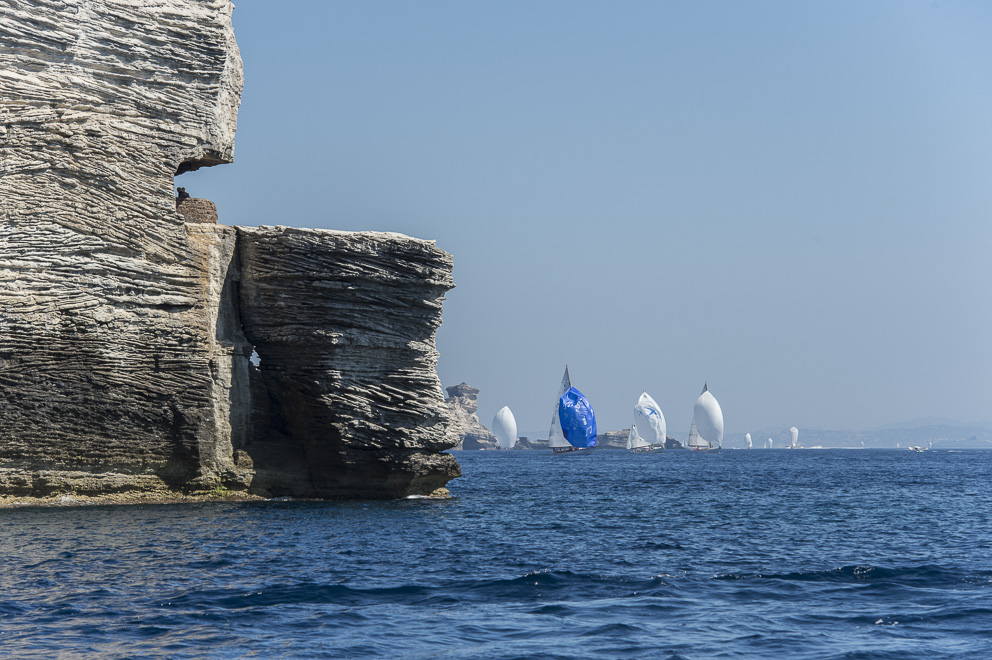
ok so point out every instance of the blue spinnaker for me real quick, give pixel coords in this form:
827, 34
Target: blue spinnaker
578, 421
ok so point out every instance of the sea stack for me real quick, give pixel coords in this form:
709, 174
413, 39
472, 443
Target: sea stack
128, 317
468, 431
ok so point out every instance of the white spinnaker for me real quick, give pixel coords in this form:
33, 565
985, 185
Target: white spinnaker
649, 419
747, 436
795, 437
708, 418
555, 437
505, 428
634, 439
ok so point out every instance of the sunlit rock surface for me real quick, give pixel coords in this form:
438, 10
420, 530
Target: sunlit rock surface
123, 361
463, 406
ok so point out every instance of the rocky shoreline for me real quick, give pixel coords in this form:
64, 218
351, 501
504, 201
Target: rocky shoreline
153, 497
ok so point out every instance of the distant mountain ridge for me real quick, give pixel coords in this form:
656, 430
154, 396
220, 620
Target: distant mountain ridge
921, 422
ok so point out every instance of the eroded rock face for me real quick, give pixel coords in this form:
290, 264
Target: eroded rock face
463, 405
347, 361
104, 357
123, 364
196, 211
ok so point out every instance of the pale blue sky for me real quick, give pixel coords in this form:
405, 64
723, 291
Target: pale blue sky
791, 201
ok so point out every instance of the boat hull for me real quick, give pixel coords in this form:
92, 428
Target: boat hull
572, 451
647, 450
705, 449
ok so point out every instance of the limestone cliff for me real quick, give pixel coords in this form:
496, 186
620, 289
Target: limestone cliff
463, 405
612, 439
347, 365
125, 332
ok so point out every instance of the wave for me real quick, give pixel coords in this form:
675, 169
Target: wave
539, 586
926, 575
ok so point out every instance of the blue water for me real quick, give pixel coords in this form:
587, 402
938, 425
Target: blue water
801, 554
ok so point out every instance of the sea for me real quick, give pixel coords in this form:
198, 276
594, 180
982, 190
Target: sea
736, 554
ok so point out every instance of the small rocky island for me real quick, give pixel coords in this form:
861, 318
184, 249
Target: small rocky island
129, 318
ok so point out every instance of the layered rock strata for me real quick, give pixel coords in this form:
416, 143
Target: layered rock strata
124, 365
463, 406
347, 364
195, 210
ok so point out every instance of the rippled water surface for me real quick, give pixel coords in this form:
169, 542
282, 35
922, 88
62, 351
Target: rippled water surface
801, 554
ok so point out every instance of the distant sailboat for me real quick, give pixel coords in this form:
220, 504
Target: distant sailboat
769, 443
573, 422
505, 428
648, 414
706, 432
635, 443
795, 438
747, 436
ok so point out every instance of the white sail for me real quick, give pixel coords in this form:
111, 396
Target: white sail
634, 440
769, 443
648, 415
795, 438
505, 428
708, 418
555, 437
694, 439
747, 436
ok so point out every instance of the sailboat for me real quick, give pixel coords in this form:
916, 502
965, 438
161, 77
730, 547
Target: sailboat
648, 414
573, 422
747, 436
795, 438
505, 428
769, 443
706, 432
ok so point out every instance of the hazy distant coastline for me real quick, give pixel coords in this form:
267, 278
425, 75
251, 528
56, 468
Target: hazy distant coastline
943, 436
